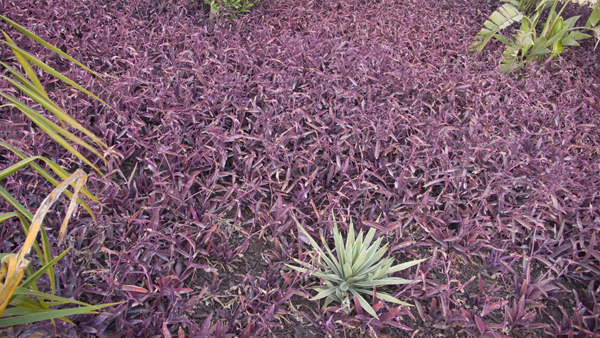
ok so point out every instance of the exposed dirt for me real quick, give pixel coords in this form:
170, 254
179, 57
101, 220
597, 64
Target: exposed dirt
301, 313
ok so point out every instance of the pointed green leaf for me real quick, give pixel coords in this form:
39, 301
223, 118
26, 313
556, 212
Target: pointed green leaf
46, 44
368, 265
12, 201
339, 246
27, 292
369, 238
360, 260
405, 266
331, 261
327, 276
299, 269
502, 39
502, 18
577, 35
60, 172
355, 279
539, 51
35, 117
19, 311
22, 301
4, 217
61, 115
568, 41
374, 266
323, 294
347, 270
357, 247
594, 16
50, 314
312, 241
52, 71
349, 246
47, 257
23, 79
15, 167
41, 271
382, 271
364, 304
389, 298
385, 281
26, 66
331, 264
570, 22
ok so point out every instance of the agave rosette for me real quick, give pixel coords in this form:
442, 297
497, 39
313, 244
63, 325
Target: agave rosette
357, 268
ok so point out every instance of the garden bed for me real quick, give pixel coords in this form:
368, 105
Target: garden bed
223, 129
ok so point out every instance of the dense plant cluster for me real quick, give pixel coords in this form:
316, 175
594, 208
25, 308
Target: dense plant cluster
223, 129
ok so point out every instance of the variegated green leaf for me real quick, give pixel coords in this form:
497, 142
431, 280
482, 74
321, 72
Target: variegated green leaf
350, 246
405, 266
388, 298
384, 281
364, 304
297, 268
357, 247
324, 293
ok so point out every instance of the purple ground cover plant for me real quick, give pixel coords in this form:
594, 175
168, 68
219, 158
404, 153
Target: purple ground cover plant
223, 128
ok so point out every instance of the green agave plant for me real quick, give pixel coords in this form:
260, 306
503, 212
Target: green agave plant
530, 43
357, 269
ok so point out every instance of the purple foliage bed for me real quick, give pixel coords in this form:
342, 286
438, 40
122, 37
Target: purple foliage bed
365, 109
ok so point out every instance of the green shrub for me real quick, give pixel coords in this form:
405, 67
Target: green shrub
535, 40
236, 7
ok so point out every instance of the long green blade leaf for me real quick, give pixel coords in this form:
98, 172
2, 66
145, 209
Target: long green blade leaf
52, 71
26, 66
15, 167
364, 304
390, 299
51, 314
12, 201
27, 292
323, 294
46, 44
405, 266
61, 115
4, 217
35, 117
41, 271
59, 171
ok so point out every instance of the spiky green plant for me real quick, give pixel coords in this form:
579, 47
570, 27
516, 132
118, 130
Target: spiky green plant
357, 269
14, 291
17, 305
533, 42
